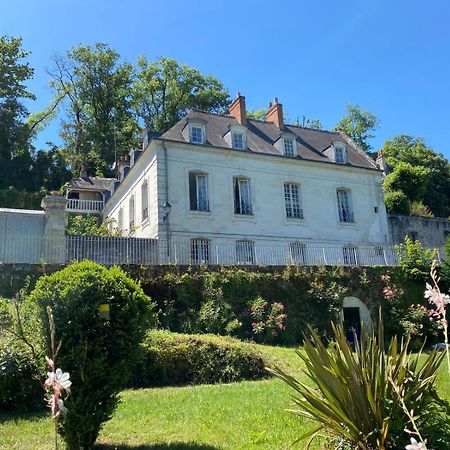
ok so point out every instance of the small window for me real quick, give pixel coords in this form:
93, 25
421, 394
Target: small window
297, 253
200, 251
350, 254
292, 201
131, 212
238, 140
245, 252
144, 200
289, 148
340, 156
242, 196
198, 191
345, 208
196, 134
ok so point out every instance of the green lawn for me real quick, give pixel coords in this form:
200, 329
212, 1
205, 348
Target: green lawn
247, 415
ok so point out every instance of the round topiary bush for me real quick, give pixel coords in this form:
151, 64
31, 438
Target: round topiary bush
98, 347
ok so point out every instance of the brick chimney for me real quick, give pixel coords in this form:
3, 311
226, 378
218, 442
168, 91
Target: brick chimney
237, 109
275, 114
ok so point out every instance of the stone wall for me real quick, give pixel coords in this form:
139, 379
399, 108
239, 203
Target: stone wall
431, 232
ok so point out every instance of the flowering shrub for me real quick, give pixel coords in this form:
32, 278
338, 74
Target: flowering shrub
268, 320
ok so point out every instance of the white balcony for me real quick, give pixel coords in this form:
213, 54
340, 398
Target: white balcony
84, 206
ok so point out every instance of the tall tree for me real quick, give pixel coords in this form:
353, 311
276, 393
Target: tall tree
359, 125
94, 88
405, 151
15, 135
164, 91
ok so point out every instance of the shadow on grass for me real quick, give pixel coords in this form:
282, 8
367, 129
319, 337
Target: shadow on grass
30, 415
172, 446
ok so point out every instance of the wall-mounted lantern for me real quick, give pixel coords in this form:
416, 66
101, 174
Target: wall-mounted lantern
166, 211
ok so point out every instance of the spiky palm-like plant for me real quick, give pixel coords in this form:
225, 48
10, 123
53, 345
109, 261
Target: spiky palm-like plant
360, 395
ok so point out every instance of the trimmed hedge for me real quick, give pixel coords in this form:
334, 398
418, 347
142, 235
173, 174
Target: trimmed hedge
171, 359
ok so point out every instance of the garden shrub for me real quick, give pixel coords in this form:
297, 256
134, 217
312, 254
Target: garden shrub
97, 351
176, 359
20, 388
414, 260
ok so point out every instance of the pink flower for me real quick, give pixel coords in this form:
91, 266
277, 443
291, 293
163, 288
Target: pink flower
385, 277
59, 380
389, 292
416, 445
437, 299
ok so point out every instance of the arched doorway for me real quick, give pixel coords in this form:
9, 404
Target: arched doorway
354, 313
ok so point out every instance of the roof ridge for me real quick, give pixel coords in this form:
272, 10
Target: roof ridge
228, 116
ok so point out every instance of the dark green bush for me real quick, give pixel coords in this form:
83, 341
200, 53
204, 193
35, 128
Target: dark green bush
175, 359
397, 203
97, 351
20, 389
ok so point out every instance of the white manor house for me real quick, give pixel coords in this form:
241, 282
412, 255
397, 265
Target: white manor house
227, 189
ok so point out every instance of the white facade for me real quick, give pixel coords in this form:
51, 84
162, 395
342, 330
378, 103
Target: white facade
266, 175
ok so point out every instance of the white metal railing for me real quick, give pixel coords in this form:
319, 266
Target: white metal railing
283, 253
76, 205
129, 250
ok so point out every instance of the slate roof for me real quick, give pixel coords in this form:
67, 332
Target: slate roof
261, 137
92, 183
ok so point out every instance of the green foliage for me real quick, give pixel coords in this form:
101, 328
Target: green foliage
397, 203
209, 301
414, 260
97, 351
258, 114
359, 125
361, 396
93, 87
176, 359
409, 179
413, 151
88, 225
164, 91
419, 209
12, 198
15, 134
20, 388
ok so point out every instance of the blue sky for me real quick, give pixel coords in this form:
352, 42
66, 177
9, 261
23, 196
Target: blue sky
389, 57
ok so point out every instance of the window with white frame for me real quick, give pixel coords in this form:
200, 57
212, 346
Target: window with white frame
242, 196
340, 155
144, 200
292, 201
198, 191
288, 147
350, 254
197, 134
297, 252
131, 212
344, 204
238, 140
200, 251
245, 252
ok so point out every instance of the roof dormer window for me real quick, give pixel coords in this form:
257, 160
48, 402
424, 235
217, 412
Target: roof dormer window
197, 134
340, 154
288, 147
238, 140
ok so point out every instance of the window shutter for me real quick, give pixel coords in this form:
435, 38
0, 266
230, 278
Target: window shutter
192, 191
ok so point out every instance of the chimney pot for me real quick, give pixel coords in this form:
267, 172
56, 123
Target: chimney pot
275, 114
238, 110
